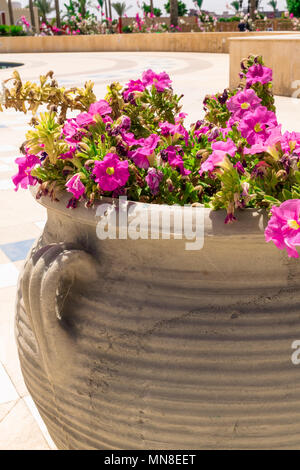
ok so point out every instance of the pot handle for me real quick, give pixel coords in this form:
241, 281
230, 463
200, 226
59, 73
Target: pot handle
49, 277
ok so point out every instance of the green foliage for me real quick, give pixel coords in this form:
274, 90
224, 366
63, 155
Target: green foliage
273, 4
182, 9
156, 11
46, 137
6, 30
44, 7
120, 8
229, 20
294, 7
78, 8
199, 3
127, 29
148, 109
236, 5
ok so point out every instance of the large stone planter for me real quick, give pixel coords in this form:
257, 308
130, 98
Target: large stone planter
143, 345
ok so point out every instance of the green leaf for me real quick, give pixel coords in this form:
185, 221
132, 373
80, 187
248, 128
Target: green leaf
271, 199
287, 194
297, 176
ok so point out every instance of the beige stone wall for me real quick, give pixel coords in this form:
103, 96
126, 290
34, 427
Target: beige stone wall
3, 5
18, 13
281, 53
165, 42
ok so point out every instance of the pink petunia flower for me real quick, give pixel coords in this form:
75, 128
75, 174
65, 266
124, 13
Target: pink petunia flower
175, 160
258, 73
68, 155
84, 119
284, 227
254, 125
291, 142
133, 86
153, 179
75, 186
242, 102
130, 139
161, 81
125, 123
141, 155
228, 147
111, 173
71, 131
100, 107
271, 145
180, 118
176, 131
23, 178
219, 158
201, 131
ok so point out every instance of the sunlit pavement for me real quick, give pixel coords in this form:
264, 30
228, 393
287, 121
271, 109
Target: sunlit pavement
22, 219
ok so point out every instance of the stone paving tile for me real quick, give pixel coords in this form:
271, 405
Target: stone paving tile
3, 258
6, 184
7, 307
8, 350
13, 368
17, 251
5, 408
19, 430
8, 275
7, 390
34, 411
40, 224
15, 233
9, 161
8, 148
5, 168
19, 208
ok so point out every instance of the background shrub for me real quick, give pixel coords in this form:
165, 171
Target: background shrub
294, 6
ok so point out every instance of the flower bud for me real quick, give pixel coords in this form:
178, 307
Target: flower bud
281, 175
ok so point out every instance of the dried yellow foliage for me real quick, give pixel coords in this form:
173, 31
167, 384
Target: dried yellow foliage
30, 96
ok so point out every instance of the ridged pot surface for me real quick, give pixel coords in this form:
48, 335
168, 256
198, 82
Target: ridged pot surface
143, 345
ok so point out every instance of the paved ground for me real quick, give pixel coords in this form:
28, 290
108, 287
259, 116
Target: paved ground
22, 219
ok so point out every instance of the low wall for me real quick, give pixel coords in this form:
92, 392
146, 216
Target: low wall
280, 52
164, 42
189, 23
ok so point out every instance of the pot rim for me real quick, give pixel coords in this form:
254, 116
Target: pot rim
249, 221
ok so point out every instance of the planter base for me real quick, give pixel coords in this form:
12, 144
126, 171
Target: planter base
143, 345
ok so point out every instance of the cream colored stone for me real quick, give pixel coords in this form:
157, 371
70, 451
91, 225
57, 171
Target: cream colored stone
14, 232
5, 408
280, 52
19, 431
18, 13
24, 215
35, 413
3, 258
8, 351
181, 42
7, 390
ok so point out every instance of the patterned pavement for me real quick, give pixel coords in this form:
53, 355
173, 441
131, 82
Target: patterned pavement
22, 219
